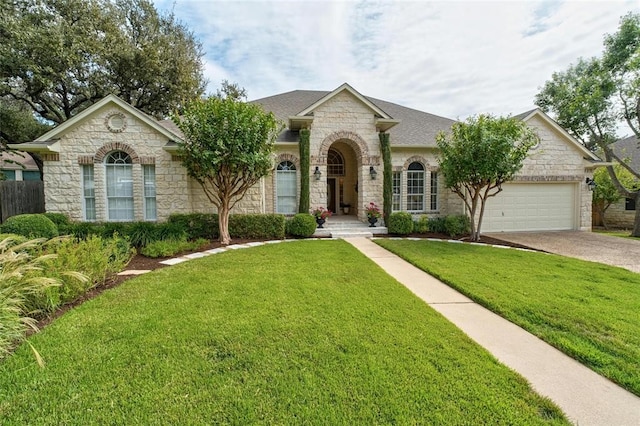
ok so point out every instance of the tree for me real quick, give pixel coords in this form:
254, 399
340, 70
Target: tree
605, 192
228, 147
591, 97
17, 123
59, 57
479, 155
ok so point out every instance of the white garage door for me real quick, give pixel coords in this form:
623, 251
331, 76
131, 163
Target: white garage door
531, 207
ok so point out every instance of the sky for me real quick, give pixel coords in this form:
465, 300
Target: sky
449, 58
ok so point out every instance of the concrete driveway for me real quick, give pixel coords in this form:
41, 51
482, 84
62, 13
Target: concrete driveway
623, 252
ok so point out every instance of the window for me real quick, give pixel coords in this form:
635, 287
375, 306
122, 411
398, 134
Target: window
88, 193
630, 204
149, 176
8, 175
415, 187
119, 186
434, 191
286, 188
396, 189
335, 163
30, 175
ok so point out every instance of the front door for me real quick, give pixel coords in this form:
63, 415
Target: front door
331, 194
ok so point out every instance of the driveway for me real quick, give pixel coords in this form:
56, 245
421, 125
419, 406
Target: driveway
623, 252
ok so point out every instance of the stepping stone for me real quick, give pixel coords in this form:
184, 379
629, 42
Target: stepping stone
134, 272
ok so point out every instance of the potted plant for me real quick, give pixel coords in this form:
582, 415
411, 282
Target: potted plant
373, 213
321, 214
345, 207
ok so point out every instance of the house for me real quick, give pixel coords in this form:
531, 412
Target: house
112, 162
16, 165
622, 213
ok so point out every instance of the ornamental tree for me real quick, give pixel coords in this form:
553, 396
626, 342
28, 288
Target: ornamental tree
479, 155
228, 148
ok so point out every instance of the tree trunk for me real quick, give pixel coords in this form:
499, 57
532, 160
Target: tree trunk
223, 222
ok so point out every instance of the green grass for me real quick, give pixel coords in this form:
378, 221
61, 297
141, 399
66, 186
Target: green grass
617, 233
307, 332
588, 310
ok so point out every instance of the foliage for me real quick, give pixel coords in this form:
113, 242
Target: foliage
479, 155
95, 258
321, 213
456, 225
58, 218
590, 97
18, 123
301, 225
31, 226
400, 223
305, 168
421, 226
59, 57
197, 225
605, 193
17, 285
257, 226
228, 148
171, 247
246, 337
372, 210
587, 310
387, 184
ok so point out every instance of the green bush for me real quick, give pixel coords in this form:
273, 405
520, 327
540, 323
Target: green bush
301, 225
257, 226
421, 226
96, 258
457, 225
171, 247
196, 225
30, 226
436, 225
141, 234
58, 218
400, 223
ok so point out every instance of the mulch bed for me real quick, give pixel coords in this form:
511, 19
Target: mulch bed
140, 262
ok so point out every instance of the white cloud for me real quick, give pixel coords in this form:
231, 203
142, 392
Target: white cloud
450, 58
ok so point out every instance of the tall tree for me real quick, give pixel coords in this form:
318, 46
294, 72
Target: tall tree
228, 147
591, 97
478, 156
60, 56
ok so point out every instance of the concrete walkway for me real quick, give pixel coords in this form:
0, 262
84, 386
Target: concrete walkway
586, 397
607, 249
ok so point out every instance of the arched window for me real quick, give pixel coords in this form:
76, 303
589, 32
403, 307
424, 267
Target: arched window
415, 187
119, 174
286, 188
335, 163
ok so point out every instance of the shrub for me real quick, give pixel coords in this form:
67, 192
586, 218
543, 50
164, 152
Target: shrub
170, 247
94, 257
400, 223
30, 226
170, 231
301, 225
457, 225
196, 225
58, 218
436, 224
421, 226
142, 233
262, 226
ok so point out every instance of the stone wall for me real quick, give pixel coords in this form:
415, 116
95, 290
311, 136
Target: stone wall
617, 217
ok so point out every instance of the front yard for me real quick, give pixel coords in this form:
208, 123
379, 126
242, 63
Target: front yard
292, 333
588, 310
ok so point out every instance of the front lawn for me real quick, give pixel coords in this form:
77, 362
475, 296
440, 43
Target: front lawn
588, 310
308, 332
616, 233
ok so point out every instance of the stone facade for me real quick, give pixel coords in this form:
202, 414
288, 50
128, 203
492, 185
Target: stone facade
617, 216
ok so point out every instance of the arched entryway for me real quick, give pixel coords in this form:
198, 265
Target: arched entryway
342, 179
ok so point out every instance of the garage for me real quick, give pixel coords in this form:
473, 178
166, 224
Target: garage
531, 207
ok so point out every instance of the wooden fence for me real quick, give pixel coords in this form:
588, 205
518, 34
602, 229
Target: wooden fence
19, 197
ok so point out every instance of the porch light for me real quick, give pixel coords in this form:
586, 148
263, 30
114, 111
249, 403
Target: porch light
317, 173
372, 172
591, 184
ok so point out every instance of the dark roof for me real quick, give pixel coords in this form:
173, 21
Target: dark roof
628, 147
416, 128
